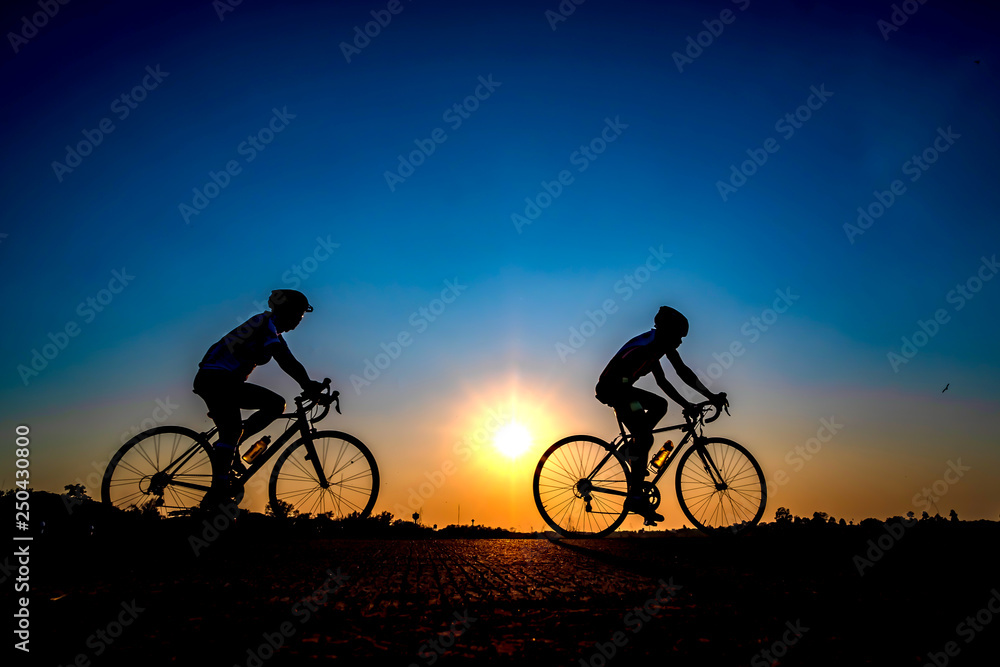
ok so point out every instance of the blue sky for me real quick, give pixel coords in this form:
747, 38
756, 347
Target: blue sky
321, 181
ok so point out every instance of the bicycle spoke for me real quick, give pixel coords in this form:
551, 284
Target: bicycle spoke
719, 485
136, 476
573, 487
348, 484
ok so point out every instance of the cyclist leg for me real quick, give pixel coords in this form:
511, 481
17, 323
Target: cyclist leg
268, 404
220, 392
640, 411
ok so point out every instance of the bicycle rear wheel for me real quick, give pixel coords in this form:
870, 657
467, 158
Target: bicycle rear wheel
166, 470
720, 487
580, 487
349, 481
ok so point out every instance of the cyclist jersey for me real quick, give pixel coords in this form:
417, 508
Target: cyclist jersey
244, 348
636, 358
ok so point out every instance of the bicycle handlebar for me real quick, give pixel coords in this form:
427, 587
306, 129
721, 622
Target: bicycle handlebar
701, 409
307, 403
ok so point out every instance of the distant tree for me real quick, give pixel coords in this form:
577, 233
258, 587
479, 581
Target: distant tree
924, 516
77, 491
783, 514
842, 522
953, 515
910, 515
285, 509
384, 518
831, 520
819, 517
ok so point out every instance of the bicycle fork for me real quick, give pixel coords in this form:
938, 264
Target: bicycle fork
314, 459
708, 463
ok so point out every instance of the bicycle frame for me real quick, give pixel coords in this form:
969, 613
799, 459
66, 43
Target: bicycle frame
692, 431
302, 426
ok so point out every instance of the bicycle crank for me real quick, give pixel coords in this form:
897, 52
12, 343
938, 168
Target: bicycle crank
652, 493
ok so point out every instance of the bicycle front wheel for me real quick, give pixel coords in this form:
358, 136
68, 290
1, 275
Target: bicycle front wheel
166, 470
330, 473
580, 487
720, 487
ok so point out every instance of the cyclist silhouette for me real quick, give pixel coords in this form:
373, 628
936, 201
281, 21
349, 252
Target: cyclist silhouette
640, 410
222, 377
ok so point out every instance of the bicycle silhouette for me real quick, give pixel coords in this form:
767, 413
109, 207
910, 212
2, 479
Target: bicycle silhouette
581, 482
168, 469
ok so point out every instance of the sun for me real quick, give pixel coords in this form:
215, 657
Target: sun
512, 439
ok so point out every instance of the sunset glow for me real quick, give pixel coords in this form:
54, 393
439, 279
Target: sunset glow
512, 440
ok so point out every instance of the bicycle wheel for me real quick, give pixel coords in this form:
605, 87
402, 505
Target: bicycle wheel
350, 477
167, 470
580, 487
722, 489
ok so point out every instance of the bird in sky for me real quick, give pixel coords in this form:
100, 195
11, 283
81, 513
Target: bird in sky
946, 388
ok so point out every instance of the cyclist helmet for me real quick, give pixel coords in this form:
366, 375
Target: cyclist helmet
669, 320
288, 301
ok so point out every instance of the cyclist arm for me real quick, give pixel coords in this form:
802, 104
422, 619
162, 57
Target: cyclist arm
292, 366
668, 389
689, 377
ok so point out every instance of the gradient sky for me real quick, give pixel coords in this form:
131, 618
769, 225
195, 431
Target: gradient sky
494, 350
